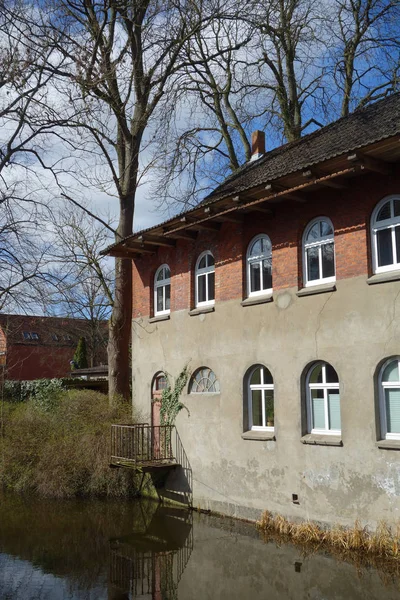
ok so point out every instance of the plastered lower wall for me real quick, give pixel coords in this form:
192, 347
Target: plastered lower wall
354, 328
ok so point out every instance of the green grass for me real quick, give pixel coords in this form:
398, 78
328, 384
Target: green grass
63, 451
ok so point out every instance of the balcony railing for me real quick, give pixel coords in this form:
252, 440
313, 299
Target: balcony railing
144, 445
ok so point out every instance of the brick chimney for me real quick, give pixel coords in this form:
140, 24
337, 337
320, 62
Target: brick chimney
257, 144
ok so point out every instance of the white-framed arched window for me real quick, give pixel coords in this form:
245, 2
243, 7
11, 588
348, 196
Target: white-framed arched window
205, 279
385, 235
162, 290
323, 399
259, 266
260, 392
204, 381
319, 252
389, 399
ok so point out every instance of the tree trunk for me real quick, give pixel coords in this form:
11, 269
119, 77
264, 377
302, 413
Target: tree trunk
119, 374
118, 349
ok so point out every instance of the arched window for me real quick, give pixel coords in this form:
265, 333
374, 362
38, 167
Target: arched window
385, 235
319, 252
205, 279
204, 381
389, 399
162, 290
259, 266
260, 399
159, 384
323, 399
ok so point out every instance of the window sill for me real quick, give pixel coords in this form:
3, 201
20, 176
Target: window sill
317, 289
389, 444
253, 300
384, 277
201, 310
159, 318
317, 439
262, 436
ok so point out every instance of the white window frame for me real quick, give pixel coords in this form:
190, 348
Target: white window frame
262, 387
382, 402
324, 240
325, 387
258, 259
193, 379
204, 271
376, 226
158, 284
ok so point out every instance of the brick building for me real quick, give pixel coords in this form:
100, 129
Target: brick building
282, 291
34, 347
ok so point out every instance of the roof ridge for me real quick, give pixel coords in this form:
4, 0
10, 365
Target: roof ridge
249, 165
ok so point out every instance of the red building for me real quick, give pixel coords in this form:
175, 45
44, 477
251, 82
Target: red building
34, 347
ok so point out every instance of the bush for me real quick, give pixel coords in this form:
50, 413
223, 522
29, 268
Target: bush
63, 452
44, 391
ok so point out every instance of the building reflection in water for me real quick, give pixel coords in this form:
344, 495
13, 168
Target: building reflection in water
149, 562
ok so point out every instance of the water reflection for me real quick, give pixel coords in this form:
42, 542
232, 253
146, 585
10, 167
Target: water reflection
126, 551
150, 560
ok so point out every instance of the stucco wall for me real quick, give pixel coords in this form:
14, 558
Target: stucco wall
354, 328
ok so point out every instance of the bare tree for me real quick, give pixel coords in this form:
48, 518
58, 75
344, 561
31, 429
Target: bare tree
120, 57
366, 59
26, 121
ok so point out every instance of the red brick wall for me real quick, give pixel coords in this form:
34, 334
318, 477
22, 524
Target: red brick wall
37, 362
349, 210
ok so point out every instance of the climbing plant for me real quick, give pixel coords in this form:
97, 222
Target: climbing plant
171, 404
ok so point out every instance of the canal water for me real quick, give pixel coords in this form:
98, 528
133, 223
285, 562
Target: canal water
52, 550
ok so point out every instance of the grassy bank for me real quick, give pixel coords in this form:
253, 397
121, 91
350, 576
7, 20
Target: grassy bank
61, 448
357, 543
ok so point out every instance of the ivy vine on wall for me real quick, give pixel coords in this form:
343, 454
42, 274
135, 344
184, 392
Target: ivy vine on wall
171, 404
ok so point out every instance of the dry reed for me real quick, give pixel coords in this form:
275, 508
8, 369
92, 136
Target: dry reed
380, 548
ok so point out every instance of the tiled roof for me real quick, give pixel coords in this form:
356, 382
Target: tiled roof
363, 127
360, 129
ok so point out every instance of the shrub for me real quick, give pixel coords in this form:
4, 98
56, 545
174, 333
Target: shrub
63, 452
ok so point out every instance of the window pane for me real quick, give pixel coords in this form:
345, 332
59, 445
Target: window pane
256, 400
161, 382
397, 235
210, 260
312, 264
256, 377
269, 407
266, 245
384, 212
384, 244
160, 275
267, 274
256, 249
391, 373
167, 273
201, 283
211, 286
203, 263
317, 401
167, 297
328, 260
326, 228
334, 409
396, 208
267, 377
392, 398
160, 305
255, 277
316, 374
331, 375
313, 234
